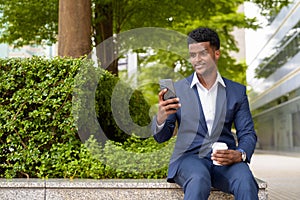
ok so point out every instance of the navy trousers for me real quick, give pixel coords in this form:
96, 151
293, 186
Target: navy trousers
196, 176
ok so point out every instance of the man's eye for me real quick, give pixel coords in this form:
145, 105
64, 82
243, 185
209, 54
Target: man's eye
192, 55
203, 53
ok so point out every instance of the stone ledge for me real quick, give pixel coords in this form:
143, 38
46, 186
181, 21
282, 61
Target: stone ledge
92, 189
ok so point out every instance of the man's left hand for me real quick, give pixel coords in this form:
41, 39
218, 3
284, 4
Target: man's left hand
227, 157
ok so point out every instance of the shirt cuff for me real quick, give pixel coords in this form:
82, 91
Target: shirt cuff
159, 127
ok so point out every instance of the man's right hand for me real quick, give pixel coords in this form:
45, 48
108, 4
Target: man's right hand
166, 108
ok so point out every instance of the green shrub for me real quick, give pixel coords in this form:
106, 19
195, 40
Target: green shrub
35, 113
120, 109
39, 135
135, 158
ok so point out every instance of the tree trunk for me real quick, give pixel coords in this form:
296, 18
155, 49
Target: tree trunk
74, 30
106, 52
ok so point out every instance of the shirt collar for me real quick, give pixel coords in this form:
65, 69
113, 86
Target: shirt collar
218, 80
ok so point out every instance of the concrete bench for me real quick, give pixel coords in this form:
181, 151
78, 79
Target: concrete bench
106, 189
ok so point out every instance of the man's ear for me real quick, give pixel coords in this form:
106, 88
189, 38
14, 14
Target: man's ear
217, 53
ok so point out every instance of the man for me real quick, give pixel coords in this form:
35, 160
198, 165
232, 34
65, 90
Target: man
206, 109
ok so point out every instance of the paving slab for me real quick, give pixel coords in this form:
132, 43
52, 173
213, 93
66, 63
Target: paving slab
281, 171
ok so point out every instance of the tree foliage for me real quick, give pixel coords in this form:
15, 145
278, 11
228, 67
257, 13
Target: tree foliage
269, 8
33, 22
28, 22
36, 22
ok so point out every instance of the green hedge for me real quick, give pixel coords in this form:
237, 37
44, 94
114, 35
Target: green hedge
39, 135
131, 111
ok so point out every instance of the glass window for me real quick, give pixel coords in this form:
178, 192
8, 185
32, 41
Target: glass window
296, 129
286, 49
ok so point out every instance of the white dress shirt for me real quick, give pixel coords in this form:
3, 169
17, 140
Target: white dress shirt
208, 99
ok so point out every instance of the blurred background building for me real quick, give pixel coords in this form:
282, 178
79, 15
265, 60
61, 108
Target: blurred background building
7, 51
273, 57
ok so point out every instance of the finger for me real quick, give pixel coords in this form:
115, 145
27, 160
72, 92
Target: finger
221, 161
175, 100
224, 160
161, 94
170, 104
220, 155
171, 111
172, 101
172, 108
217, 153
222, 151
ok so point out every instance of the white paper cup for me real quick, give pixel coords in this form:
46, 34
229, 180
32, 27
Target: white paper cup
218, 146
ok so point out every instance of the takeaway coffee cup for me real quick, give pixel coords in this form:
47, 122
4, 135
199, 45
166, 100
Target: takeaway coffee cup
218, 146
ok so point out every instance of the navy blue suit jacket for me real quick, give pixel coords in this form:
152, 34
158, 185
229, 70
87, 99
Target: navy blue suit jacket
232, 107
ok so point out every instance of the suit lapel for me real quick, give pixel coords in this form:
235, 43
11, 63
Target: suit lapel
220, 113
201, 113
202, 119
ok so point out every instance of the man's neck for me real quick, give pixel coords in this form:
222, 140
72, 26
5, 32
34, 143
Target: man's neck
208, 81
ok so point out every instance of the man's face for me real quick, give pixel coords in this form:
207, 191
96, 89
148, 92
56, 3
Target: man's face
203, 58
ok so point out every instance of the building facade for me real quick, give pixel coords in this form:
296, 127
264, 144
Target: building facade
7, 51
274, 79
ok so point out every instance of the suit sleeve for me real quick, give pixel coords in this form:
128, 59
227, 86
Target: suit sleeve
245, 128
166, 132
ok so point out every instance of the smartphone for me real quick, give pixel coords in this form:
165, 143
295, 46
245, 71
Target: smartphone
167, 83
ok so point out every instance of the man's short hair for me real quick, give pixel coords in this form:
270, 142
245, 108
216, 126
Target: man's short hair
203, 34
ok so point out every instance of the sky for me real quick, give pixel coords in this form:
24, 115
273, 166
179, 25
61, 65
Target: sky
253, 39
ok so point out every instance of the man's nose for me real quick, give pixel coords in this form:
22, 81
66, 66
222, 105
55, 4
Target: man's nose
198, 57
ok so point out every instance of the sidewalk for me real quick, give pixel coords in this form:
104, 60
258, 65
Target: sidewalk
280, 171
